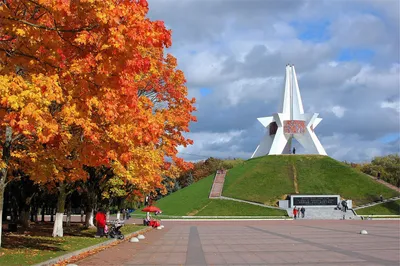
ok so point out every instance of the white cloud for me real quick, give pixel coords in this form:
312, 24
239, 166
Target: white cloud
338, 111
239, 50
333, 64
391, 105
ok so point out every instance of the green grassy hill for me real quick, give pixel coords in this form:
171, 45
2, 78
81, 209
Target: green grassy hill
270, 178
193, 200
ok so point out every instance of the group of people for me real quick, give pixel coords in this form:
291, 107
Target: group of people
126, 214
297, 211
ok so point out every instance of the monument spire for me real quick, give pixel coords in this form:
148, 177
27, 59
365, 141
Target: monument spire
291, 122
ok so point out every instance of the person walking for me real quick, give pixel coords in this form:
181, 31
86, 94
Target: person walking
344, 204
294, 150
302, 210
82, 214
295, 212
100, 222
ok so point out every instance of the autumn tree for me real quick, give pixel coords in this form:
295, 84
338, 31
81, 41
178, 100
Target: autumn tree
388, 166
87, 83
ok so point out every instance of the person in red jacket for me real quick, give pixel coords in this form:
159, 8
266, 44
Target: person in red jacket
294, 212
100, 222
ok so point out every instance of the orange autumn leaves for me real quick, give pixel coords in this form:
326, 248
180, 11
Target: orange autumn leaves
94, 86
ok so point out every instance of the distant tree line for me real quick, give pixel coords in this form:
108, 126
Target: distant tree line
387, 167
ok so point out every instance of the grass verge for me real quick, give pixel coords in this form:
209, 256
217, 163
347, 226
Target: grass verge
218, 207
189, 200
388, 208
22, 249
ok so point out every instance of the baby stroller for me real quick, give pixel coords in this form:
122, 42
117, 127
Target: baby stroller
114, 230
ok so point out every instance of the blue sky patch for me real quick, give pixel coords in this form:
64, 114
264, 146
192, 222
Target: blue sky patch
205, 91
355, 54
389, 137
315, 31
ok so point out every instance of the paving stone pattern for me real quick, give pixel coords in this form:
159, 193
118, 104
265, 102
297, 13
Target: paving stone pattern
307, 242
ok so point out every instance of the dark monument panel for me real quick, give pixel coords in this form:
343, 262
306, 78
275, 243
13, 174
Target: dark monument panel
314, 201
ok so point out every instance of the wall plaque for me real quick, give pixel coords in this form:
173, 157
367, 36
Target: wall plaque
315, 201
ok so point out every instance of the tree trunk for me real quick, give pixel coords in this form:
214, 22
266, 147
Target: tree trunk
3, 171
82, 214
108, 216
24, 218
90, 208
58, 224
2, 187
43, 212
69, 212
51, 214
89, 218
35, 217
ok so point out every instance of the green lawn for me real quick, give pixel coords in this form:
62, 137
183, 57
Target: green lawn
264, 180
324, 175
193, 201
187, 201
217, 207
388, 208
19, 249
270, 178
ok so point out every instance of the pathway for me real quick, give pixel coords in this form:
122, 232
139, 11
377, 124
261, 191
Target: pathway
260, 243
385, 183
218, 184
250, 202
376, 203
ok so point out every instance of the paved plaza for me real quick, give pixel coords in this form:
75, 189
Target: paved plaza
287, 242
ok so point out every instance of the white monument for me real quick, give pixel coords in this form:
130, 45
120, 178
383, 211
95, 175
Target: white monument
291, 122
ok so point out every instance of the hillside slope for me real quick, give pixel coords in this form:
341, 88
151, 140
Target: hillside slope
270, 178
193, 201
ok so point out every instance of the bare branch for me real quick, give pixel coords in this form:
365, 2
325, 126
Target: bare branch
11, 53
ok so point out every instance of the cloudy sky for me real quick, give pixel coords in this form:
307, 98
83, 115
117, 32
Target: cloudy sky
234, 52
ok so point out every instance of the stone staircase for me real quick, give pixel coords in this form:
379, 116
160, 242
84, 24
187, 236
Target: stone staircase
218, 185
325, 213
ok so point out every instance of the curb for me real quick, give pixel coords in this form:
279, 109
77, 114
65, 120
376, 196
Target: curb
80, 251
